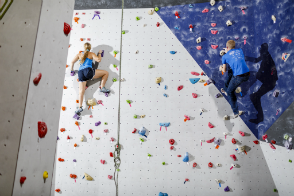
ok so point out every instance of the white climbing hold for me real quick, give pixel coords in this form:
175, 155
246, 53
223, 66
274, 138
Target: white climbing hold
151, 11
212, 2
137, 51
202, 80
97, 138
218, 164
222, 52
142, 116
238, 90
82, 138
198, 40
229, 23
274, 18
226, 117
218, 181
220, 8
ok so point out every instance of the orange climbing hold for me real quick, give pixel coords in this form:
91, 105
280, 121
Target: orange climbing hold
62, 129
57, 190
64, 87
60, 159
67, 66
81, 39
77, 101
78, 79
76, 19
63, 108
77, 123
73, 176
75, 145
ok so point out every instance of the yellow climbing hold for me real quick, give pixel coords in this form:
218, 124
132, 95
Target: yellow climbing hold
88, 177
45, 174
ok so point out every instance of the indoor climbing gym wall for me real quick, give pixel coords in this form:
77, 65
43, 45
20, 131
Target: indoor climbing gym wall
165, 128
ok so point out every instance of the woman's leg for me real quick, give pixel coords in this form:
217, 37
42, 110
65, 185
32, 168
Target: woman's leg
101, 73
82, 88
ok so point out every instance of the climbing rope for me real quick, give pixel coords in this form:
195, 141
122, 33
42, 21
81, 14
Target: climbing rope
116, 153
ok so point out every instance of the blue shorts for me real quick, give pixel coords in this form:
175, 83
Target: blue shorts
86, 74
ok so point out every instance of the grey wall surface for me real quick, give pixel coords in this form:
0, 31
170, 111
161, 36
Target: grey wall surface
116, 4
18, 30
44, 100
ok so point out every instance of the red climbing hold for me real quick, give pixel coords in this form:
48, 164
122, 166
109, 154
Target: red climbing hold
68, 137
199, 47
272, 146
102, 161
214, 32
171, 141
191, 26
42, 129
214, 46
22, 179
177, 14
194, 95
210, 141
109, 177
157, 24
205, 10
73, 176
111, 154
57, 190
90, 131
179, 155
60, 159
233, 156
180, 87
210, 125
202, 73
213, 24
66, 28
171, 147
210, 164
134, 130
286, 40
195, 73
242, 133
62, 129
194, 164
264, 137
273, 142
234, 141
255, 141
37, 79
206, 61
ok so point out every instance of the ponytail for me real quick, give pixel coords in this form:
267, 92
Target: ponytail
87, 47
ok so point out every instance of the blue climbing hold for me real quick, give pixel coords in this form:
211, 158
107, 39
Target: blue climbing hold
165, 87
190, 5
194, 80
162, 194
164, 124
142, 131
173, 52
165, 95
177, 28
186, 157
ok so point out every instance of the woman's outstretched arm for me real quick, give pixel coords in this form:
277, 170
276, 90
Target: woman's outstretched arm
74, 61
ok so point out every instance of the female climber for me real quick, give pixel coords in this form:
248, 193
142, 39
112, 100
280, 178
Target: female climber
86, 72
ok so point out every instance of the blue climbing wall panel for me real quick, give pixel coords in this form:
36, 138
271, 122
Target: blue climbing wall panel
263, 51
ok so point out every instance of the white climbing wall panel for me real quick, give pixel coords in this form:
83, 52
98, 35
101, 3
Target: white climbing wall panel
140, 175
105, 35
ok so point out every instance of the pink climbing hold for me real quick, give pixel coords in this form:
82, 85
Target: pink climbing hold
206, 61
180, 87
102, 161
199, 47
205, 10
213, 24
272, 146
214, 46
187, 117
210, 125
194, 95
242, 133
109, 177
210, 141
88, 39
195, 73
233, 156
83, 25
214, 32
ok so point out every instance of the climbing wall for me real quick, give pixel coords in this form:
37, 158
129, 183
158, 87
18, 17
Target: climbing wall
149, 176
89, 153
43, 102
14, 77
260, 39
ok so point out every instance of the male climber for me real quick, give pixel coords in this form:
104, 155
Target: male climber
237, 74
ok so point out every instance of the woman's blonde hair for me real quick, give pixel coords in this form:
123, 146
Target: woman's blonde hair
87, 47
231, 44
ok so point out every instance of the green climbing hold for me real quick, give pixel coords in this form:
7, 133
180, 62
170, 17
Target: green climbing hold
114, 65
128, 101
149, 155
137, 18
115, 52
150, 66
275, 190
142, 140
114, 80
286, 136
290, 160
156, 9
135, 116
163, 163
123, 32
105, 123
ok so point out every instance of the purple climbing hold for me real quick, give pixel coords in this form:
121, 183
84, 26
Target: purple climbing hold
57, 138
227, 189
72, 73
97, 123
76, 116
106, 94
218, 95
74, 160
102, 54
236, 38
